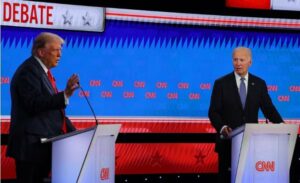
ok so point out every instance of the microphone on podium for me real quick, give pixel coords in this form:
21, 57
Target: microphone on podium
88, 103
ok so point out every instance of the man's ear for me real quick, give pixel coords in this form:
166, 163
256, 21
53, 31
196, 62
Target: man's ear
250, 62
40, 52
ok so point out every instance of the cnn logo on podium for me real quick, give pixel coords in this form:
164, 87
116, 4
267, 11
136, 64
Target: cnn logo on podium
262, 166
104, 173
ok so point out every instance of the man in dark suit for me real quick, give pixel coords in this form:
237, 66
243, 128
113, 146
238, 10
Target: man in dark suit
38, 109
236, 99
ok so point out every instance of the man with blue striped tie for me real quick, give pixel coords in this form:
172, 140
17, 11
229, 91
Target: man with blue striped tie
236, 99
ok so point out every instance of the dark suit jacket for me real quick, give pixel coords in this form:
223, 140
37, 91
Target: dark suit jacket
226, 107
35, 112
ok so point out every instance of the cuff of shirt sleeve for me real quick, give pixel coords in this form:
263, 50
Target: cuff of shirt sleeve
66, 99
223, 128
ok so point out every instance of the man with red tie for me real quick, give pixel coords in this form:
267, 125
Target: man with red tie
38, 109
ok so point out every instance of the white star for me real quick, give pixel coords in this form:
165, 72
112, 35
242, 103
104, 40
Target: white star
67, 18
87, 19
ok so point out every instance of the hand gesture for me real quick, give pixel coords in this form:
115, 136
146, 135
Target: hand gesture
72, 85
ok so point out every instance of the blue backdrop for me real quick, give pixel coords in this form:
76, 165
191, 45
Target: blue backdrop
159, 57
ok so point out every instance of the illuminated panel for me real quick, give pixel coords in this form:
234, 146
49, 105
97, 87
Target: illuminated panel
155, 68
200, 19
146, 125
149, 158
293, 5
158, 158
159, 70
140, 125
289, 5
254, 4
51, 15
159, 65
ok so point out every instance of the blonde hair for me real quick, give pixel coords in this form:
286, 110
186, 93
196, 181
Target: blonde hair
42, 39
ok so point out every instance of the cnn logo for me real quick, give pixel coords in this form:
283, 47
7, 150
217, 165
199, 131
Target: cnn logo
104, 173
265, 166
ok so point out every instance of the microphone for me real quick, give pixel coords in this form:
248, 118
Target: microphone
266, 120
88, 103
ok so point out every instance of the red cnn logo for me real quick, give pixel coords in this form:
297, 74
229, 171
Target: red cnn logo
265, 166
104, 174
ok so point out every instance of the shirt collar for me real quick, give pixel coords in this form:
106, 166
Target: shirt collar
238, 77
42, 64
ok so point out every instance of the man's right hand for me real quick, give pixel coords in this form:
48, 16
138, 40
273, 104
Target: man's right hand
226, 131
72, 85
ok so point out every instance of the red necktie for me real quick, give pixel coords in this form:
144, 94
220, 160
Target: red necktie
52, 81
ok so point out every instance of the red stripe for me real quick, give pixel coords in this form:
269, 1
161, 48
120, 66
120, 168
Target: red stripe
130, 126
209, 20
146, 125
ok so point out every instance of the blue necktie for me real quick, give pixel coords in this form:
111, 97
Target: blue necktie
243, 93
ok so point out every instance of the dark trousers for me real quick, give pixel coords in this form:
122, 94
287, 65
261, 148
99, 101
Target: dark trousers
32, 172
36, 162
224, 152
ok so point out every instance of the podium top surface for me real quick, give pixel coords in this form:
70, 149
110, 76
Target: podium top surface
102, 130
59, 137
265, 128
237, 131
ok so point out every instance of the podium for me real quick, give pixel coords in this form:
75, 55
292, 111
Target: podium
262, 152
85, 156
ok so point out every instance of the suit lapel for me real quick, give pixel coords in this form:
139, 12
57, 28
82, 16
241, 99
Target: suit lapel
44, 76
236, 91
48, 84
251, 90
